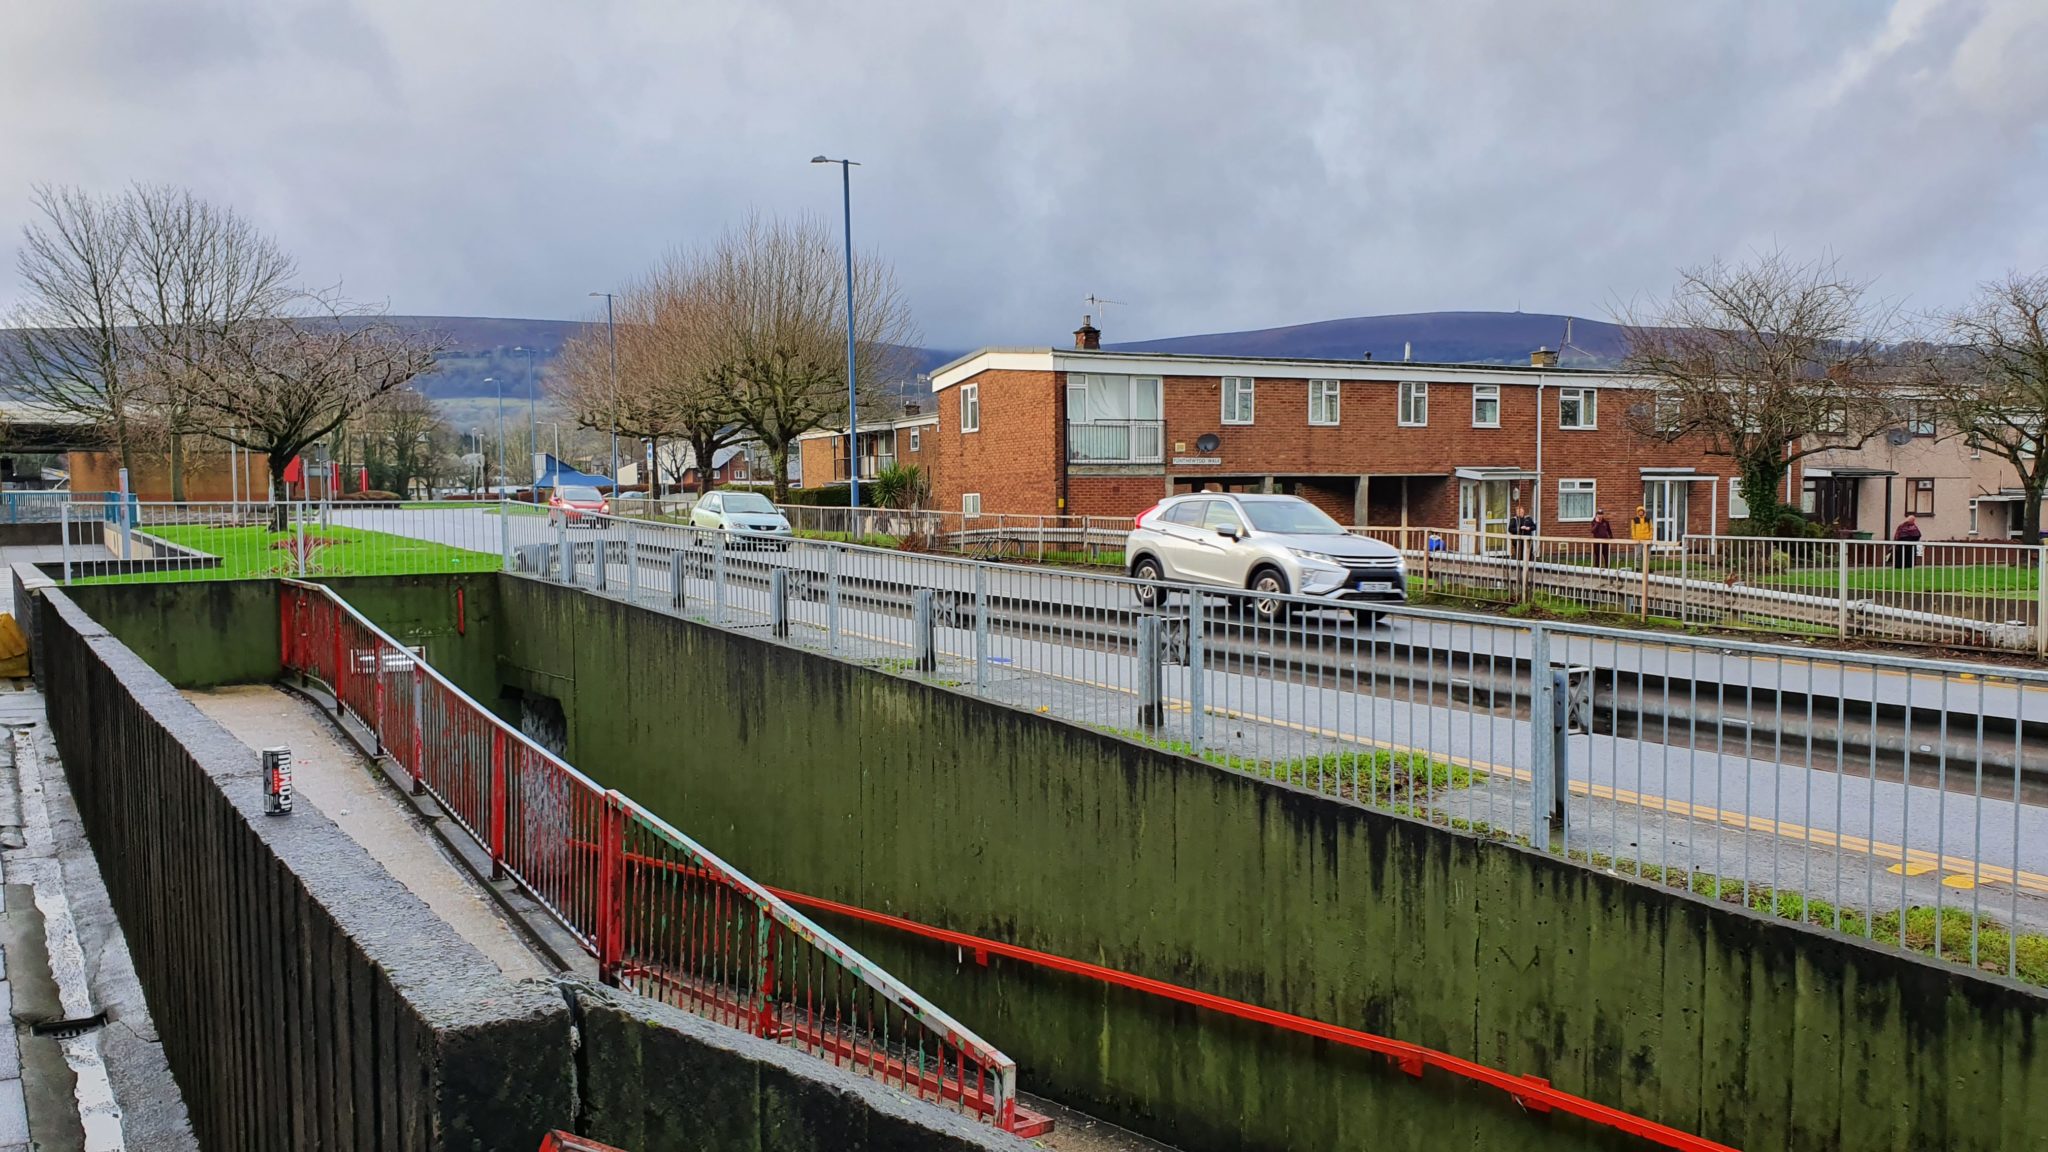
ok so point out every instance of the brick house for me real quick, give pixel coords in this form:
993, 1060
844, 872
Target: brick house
1084, 431
821, 455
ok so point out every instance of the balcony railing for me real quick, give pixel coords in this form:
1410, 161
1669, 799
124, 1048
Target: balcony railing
870, 465
1116, 442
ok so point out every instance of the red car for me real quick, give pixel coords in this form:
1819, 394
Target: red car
574, 506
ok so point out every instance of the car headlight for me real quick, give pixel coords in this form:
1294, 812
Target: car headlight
1318, 557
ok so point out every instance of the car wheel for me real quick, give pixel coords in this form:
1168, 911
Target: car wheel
1268, 583
1150, 595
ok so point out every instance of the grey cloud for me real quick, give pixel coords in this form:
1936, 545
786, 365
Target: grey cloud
1215, 165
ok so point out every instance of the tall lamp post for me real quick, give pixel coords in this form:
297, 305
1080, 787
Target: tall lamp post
500, 390
532, 403
613, 333
846, 168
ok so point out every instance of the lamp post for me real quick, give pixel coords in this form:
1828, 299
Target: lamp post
500, 390
846, 168
613, 334
532, 403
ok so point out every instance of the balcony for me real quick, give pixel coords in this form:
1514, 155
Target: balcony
1117, 442
870, 464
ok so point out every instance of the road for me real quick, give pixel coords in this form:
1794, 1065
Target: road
1699, 797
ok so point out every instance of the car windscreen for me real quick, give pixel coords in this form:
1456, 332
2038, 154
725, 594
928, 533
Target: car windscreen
1293, 517
748, 502
579, 495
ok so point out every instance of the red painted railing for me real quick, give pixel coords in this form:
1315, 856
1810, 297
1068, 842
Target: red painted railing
559, 1141
663, 916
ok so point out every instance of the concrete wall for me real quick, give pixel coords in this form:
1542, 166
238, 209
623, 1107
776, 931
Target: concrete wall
196, 635
895, 795
304, 997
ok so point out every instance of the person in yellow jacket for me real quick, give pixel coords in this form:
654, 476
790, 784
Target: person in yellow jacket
1640, 529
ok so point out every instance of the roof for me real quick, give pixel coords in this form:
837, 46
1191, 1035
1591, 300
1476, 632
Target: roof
555, 474
1191, 364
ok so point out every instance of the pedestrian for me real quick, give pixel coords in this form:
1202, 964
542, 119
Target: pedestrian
1640, 529
1907, 536
1522, 528
1603, 531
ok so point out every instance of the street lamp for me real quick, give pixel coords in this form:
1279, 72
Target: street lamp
500, 390
532, 403
613, 333
846, 168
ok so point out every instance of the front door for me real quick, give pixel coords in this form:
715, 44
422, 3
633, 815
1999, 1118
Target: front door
1482, 515
1665, 500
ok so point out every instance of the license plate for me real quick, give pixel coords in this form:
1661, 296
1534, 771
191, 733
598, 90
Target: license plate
1375, 586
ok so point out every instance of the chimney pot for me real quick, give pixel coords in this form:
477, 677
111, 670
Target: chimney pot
1087, 337
1543, 358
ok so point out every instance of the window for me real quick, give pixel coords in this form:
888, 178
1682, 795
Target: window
1237, 399
1219, 514
1833, 421
1920, 418
970, 503
1486, 405
1188, 512
916, 441
1322, 401
1577, 408
1575, 500
1414, 403
1973, 517
1738, 507
1670, 412
970, 407
1920, 497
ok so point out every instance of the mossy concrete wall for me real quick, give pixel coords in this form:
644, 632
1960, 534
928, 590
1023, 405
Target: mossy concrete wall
896, 795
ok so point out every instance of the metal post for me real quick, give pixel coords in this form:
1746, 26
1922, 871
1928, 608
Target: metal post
2041, 602
419, 725
852, 403
678, 572
610, 927
497, 803
981, 629
1645, 561
127, 527
1842, 590
718, 578
1542, 745
1197, 703
377, 698
1684, 588
1560, 755
832, 599
923, 652
64, 518
298, 515
505, 530
778, 602
1150, 712
632, 566
565, 560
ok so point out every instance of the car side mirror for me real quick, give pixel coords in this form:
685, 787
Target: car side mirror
1228, 532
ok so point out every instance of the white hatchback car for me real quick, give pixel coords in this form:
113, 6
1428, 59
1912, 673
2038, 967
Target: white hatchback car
747, 513
1276, 545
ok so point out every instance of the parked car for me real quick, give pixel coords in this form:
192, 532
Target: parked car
747, 513
576, 506
1276, 545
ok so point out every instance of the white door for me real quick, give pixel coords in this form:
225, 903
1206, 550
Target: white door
1483, 507
1665, 500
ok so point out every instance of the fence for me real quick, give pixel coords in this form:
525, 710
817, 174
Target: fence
1891, 798
662, 916
1946, 594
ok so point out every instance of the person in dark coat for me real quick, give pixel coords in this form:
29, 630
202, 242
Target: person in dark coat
1603, 531
1521, 526
1907, 537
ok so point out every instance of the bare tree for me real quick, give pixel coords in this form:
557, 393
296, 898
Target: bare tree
1991, 377
1766, 362
403, 438
286, 383
774, 331
629, 401
73, 351
197, 275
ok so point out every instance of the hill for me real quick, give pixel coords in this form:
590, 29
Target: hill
1434, 337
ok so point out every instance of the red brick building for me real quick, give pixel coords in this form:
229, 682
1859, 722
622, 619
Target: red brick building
1087, 432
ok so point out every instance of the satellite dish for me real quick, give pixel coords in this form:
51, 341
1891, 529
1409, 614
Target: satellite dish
1208, 443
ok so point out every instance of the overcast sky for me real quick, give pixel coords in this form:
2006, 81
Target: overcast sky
1213, 165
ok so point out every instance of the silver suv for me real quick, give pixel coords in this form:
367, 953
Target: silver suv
1276, 545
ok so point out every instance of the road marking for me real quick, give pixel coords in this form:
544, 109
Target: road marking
1913, 869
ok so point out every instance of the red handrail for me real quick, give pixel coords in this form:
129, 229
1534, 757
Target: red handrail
1531, 1092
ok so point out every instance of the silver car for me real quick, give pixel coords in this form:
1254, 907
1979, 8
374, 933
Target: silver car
1276, 545
747, 513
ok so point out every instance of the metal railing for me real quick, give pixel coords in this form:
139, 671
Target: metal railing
1116, 441
1987, 595
663, 916
1892, 798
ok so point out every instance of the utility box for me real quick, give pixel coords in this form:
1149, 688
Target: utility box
277, 781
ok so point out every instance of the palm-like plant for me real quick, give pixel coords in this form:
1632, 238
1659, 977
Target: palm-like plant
901, 486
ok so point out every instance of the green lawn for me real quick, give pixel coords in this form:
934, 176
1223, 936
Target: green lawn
255, 551
1982, 579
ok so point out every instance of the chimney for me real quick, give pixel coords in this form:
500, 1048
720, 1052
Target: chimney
1087, 337
911, 407
1543, 358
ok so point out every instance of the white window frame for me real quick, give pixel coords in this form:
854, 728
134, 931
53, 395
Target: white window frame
1329, 396
1240, 393
1484, 392
916, 440
1573, 487
1973, 517
1589, 406
970, 503
1738, 504
970, 407
1412, 410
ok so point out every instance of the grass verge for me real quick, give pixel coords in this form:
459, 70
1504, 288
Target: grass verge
254, 551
